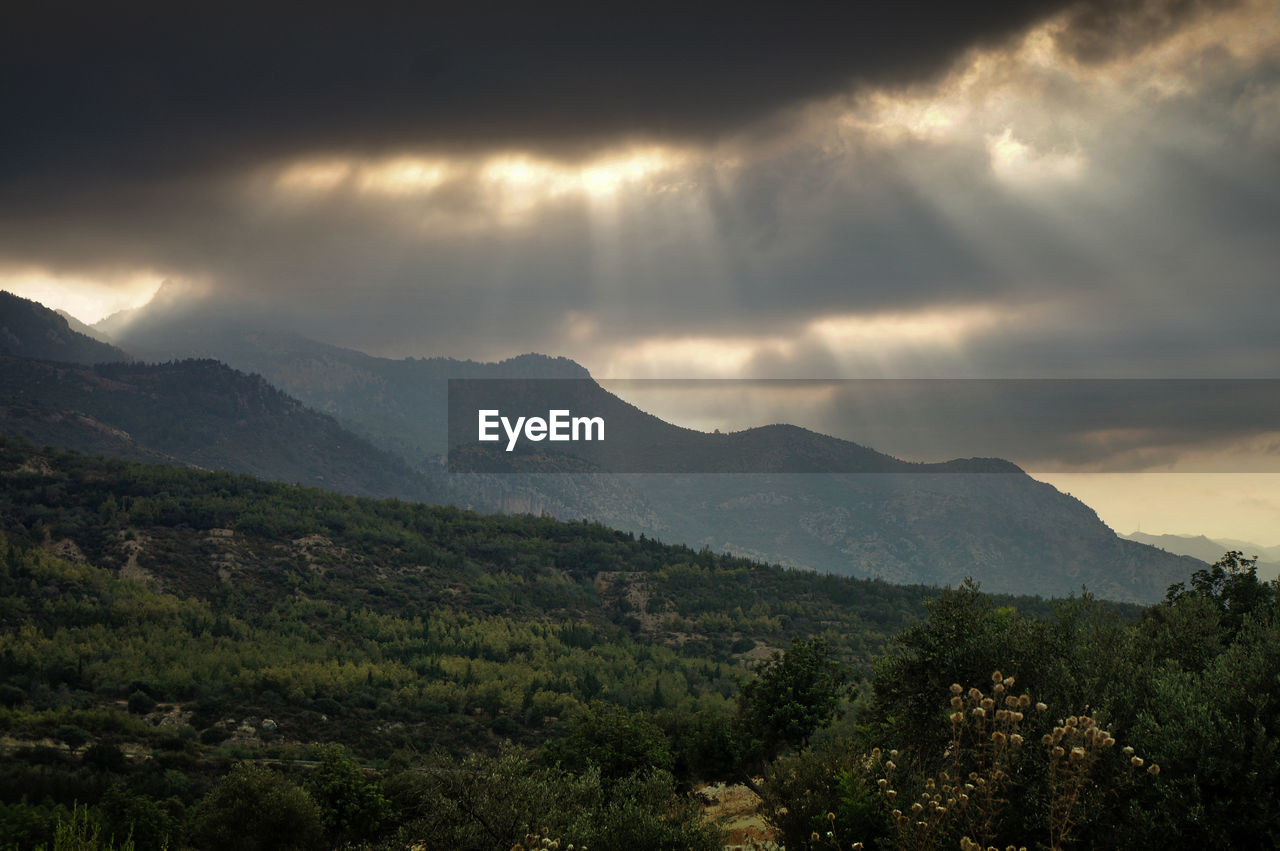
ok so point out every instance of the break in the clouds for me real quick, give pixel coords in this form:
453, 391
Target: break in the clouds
763, 190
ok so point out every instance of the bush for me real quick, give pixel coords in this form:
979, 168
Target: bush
11, 696
72, 735
214, 735
497, 802
107, 758
1002, 783
799, 794
617, 742
353, 806
136, 818
140, 703
255, 808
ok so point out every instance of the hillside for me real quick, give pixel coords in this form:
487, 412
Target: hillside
255, 598
31, 330
200, 413
400, 405
205, 656
828, 504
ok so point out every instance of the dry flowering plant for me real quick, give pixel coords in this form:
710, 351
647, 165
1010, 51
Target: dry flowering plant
970, 795
538, 842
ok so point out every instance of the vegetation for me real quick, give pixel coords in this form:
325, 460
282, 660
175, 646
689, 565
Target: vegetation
161, 625
194, 659
29, 329
1122, 734
197, 412
930, 523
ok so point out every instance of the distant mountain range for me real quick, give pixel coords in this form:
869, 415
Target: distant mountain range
980, 518
1210, 550
399, 404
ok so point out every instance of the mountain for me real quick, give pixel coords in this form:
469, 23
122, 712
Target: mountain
1196, 546
81, 328
1250, 549
200, 413
878, 516
399, 404
29, 329
1006, 530
379, 624
403, 405
1210, 550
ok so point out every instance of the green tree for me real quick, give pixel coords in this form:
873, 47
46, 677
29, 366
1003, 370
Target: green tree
616, 742
140, 703
127, 815
256, 809
1231, 584
792, 695
72, 735
963, 640
352, 805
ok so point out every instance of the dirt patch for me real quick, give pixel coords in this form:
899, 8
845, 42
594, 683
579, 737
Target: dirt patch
734, 807
131, 571
36, 465
67, 548
224, 551
170, 716
317, 551
760, 653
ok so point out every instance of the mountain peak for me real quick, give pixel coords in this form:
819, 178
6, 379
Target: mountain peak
561, 367
29, 329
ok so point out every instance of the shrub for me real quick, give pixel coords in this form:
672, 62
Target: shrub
72, 735
997, 788
140, 703
353, 806
255, 808
11, 696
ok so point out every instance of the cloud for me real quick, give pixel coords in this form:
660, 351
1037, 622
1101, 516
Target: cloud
957, 194
164, 89
1098, 31
1053, 425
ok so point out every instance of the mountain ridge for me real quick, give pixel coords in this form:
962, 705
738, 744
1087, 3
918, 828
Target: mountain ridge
198, 413
984, 518
1210, 549
29, 329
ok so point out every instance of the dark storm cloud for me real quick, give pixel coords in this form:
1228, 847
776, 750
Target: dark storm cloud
1160, 265
150, 139
1101, 30
154, 87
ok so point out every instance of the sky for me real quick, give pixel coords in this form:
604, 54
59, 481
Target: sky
1041, 190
